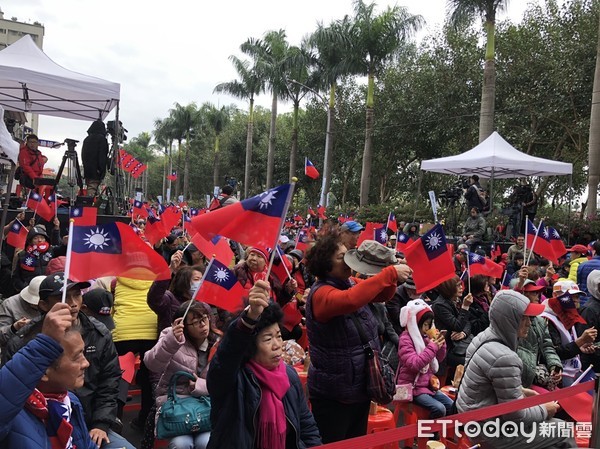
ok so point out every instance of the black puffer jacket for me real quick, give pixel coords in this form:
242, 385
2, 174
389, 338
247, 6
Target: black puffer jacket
99, 393
235, 396
94, 152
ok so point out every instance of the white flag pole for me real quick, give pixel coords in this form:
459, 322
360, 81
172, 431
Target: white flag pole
198, 289
68, 261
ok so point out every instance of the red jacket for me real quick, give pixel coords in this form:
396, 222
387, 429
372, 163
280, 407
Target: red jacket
31, 162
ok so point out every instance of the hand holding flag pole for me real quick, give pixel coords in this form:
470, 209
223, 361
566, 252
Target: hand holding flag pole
200, 285
68, 261
288, 200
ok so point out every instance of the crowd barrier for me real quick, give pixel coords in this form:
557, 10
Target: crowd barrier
411, 431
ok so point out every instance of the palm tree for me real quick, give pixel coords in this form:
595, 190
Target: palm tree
594, 148
270, 55
297, 77
216, 120
185, 119
164, 136
463, 12
249, 85
374, 40
330, 63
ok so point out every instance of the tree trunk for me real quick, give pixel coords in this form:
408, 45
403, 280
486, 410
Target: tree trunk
216, 166
166, 198
271, 151
294, 150
594, 148
249, 133
328, 159
178, 181
488, 91
164, 186
365, 177
186, 167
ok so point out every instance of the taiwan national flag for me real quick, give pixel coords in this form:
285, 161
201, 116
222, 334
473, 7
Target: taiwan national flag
255, 221
321, 212
113, 249
154, 230
430, 260
221, 288
83, 216
579, 406
170, 217
218, 247
369, 232
402, 242
482, 265
137, 170
139, 211
17, 235
311, 211
557, 243
281, 265
309, 169
392, 225
540, 245
40, 206
172, 176
380, 235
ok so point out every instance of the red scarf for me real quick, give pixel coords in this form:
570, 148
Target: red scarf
569, 317
51, 410
272, 425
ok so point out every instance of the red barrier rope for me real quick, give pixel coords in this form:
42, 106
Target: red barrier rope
406, 432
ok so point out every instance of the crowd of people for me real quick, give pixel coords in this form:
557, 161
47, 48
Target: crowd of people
60, 371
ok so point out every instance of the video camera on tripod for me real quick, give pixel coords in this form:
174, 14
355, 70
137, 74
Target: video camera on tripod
111, 130
452, 194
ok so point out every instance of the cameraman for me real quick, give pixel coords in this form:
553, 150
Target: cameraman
94, 155
524, 202
474, 194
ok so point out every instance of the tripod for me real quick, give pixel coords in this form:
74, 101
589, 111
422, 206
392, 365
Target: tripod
73, 169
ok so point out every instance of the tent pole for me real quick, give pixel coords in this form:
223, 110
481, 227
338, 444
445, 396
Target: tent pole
492, 191
115, 143
569, 209
11, 177
416, 203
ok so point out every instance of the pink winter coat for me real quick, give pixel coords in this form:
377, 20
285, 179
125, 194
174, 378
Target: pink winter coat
410, 363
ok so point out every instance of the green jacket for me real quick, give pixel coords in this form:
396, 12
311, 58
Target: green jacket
536, 348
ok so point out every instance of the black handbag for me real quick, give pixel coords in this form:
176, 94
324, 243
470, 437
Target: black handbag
182, 416
381, 384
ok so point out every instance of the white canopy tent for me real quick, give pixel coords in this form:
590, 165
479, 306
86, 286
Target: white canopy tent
496, 158
31, 82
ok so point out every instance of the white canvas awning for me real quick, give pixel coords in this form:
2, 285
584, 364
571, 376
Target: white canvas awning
31, 82
495, 157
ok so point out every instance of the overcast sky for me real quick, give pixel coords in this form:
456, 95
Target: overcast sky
163, 52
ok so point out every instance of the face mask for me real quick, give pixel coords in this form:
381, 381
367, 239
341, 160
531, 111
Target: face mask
195, 285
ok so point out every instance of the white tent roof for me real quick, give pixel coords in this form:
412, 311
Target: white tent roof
26, 73
496, 156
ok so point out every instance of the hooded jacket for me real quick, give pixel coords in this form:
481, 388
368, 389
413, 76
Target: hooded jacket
94, 152
493, 376
591, 314
134, 320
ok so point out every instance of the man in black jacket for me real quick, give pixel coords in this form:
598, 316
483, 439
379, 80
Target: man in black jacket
94, 155
100, 390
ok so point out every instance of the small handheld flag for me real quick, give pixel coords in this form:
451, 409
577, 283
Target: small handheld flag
309, 169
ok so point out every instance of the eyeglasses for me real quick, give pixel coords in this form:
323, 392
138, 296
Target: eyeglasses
198, 323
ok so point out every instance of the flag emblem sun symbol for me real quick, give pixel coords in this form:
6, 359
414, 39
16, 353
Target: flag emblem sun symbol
434, 241
97, 239
383, 235
267, 200
221, 275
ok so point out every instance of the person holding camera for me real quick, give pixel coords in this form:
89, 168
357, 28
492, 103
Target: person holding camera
474, 194
94, 155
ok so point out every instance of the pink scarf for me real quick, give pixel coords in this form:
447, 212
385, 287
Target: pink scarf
272, 425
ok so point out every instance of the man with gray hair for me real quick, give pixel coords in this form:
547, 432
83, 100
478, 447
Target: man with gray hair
591, 314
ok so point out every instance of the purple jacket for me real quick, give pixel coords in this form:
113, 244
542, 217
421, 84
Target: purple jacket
410, 363
163, 303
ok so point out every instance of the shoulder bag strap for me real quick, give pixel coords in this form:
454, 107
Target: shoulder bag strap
467, 365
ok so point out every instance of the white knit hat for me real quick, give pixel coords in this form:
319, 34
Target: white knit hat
408, 320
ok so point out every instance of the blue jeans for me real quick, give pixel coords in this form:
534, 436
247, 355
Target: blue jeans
116, 441
439, 405
196, 441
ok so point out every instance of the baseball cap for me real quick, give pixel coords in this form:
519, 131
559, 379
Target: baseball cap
54, 283
100, 302
352, 226
534, 309
566, 287
578, 249
531, 286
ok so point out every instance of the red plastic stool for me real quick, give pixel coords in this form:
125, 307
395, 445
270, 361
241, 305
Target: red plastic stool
382, 420
411, 413
160, 443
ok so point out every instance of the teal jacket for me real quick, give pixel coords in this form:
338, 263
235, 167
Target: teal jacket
536, 348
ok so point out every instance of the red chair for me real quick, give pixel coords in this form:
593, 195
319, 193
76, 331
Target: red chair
160, 443
382, 420
411, 413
